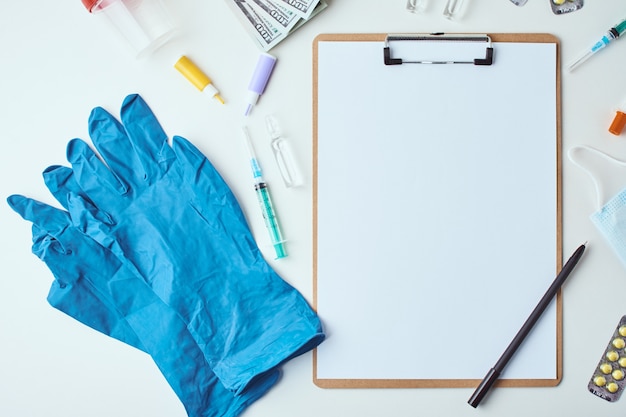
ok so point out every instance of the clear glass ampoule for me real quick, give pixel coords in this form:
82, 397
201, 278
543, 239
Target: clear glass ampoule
453, 9
283, 154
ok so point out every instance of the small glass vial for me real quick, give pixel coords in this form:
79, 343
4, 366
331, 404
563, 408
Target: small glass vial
453, 9
283, 154
416, 6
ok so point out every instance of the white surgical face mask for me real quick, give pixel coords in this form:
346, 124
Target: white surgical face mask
609, 178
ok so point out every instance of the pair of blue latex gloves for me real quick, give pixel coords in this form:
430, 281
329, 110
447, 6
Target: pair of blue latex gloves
154, 250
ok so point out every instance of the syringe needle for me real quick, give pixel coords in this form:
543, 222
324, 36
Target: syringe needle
580, 60
609, 36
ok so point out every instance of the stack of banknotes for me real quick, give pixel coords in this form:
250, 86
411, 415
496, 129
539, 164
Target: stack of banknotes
270, 21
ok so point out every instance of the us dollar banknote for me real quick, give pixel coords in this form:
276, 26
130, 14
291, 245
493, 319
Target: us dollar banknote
259, 26
282, 16
271, 21
304, 8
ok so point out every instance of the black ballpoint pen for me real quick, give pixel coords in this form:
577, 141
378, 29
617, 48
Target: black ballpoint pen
494, 372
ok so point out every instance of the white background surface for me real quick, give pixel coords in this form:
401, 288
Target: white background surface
58, 62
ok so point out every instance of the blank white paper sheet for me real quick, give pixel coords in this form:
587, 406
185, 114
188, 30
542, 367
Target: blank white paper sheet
436, 213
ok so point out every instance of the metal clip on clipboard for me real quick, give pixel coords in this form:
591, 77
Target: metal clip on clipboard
435, 41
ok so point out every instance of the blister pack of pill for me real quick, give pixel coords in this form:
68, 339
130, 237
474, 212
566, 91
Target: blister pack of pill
610, 375
565, 6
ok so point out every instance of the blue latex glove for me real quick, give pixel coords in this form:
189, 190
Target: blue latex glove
167, 212
78, 300
95, 287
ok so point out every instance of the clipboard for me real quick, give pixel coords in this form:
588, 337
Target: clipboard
437, 218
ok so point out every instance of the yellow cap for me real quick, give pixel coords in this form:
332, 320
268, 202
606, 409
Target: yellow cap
191, 72
195, 76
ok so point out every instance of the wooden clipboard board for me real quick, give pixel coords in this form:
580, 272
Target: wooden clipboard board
344, 359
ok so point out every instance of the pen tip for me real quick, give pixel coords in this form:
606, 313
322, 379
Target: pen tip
248, 109
219, 98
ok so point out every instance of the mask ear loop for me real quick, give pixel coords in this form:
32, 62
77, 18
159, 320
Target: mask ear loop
607, 173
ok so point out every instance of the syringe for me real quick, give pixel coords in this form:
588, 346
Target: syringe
263, 195
610, 35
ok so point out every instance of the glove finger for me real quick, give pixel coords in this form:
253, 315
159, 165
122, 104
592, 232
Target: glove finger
93, 222
48, 224
110, 139
92, 175
46, 247
61, 182
46, 217
147, 137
